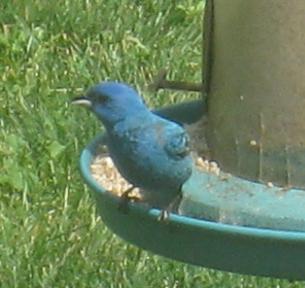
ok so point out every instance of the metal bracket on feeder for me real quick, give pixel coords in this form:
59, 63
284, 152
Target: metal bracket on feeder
160, 82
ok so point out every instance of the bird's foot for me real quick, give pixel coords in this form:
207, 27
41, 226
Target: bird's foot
125, 198
172, 207
164, 215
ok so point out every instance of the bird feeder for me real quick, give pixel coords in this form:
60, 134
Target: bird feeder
251, 218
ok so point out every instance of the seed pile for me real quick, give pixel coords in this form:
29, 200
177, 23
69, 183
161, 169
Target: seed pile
106, 174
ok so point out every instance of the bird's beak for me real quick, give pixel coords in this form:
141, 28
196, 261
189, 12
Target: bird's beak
82, 100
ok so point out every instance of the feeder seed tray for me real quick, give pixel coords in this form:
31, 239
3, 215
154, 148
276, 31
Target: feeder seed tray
237, 244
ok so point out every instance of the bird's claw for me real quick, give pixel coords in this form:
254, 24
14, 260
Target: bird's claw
125, 198
164, 215
172, 207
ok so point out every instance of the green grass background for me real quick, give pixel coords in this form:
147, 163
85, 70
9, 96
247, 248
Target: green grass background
51, 51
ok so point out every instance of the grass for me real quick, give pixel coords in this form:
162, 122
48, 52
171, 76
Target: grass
51, 51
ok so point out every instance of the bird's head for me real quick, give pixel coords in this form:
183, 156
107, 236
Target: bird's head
112, 102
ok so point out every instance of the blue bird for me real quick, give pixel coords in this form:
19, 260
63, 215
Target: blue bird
152, 153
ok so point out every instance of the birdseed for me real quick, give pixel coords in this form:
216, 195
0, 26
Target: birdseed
106, 174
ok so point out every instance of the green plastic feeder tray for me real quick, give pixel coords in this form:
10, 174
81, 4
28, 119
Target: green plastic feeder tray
249, 239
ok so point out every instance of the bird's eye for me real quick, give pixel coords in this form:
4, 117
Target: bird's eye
99, 98
102, 98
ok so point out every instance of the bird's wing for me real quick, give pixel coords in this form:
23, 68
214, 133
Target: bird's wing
157, 132
177, 142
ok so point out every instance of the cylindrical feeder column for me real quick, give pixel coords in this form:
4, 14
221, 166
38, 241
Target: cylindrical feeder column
256, 97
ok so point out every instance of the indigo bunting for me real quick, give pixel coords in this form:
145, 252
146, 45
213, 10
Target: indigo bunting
152, 153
